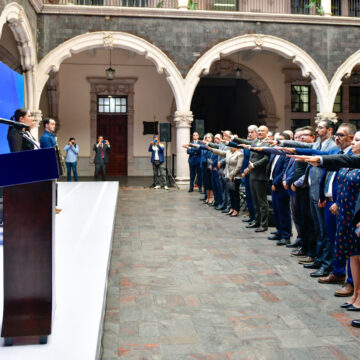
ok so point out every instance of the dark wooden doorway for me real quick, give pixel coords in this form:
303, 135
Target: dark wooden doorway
113, 127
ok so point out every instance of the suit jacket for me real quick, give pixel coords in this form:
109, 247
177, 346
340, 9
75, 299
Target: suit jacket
279, 170
260, 160
336, 162
98, 154
233, 162
194, 154
315, 173
17, 142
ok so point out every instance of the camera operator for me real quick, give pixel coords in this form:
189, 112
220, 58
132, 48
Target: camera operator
72, 151
101, 148
157, 160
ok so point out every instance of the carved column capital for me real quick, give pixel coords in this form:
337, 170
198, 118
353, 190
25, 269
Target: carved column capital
183, 119
326, 116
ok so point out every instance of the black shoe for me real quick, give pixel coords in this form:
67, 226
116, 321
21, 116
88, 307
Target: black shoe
274, 237
219, 207
248, 220
319, 273
190, 190
202, 199
297, 243
252, 225
312, 266
345, 305
226, 210
223, 207
353, 308
355, 323
261, 229
274, 233
283, 242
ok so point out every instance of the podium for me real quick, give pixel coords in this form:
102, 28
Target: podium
28, 178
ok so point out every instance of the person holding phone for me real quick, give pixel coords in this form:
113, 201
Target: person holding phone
157, 160
101, 159
72, 151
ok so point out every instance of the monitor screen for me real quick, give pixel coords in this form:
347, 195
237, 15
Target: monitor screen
11, 98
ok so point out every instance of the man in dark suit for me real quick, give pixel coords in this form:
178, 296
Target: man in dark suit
280, 196
194, 162
101, 159
258, 179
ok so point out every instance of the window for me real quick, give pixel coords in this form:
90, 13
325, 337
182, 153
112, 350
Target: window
90, 2
354, 7
300, 7
356, 123
110, 104
338, 101
300, 98
336, 7
354, 95
297, 123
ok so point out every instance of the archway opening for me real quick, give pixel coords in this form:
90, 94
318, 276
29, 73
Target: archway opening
80, 98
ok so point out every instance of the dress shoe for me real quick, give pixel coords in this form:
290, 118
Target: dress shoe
261, 229
297, 243
307, 260
283, 242
248, 220
274, 233
274, 237
219, 207
352, 308
252, 225
299, 253
190, 190
345, 305
355, 323
312, 266
346, 290
226, 210
332, 279
320, 272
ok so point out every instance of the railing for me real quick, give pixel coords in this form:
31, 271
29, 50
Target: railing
338, 7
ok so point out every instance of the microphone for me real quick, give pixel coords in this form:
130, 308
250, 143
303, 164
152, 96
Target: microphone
15, 124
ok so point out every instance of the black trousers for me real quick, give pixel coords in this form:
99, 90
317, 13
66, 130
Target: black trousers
234, 194
261, 205
101, 166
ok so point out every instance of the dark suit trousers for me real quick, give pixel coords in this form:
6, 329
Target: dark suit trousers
282, 214
261, 206
234, 194
195, 169
324, 252
102, 167
249, 200
306, 223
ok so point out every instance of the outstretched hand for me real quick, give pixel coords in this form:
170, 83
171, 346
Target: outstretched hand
312, 160
271, 142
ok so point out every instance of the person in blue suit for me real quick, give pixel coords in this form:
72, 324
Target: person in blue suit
194, 162
280, 196
47, 139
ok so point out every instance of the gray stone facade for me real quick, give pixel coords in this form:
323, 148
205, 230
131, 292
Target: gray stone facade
184, 40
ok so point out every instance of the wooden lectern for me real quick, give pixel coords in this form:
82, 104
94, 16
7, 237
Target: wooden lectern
29, 224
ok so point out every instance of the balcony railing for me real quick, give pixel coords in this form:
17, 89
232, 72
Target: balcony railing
338, 7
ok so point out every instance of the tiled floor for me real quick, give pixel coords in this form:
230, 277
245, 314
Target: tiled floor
188, 282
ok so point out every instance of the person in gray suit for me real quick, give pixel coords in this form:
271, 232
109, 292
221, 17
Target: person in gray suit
258, 179
313, 176
101, 159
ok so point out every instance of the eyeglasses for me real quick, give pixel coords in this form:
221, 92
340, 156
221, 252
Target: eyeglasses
340, 135
305, 135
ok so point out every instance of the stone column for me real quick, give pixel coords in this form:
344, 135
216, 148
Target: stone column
38, 118
183, 120
326, 5
182, 4
326, 116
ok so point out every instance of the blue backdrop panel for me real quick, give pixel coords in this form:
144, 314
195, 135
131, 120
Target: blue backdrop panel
11, 98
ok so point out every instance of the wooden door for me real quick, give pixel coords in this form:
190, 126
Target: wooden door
114, 128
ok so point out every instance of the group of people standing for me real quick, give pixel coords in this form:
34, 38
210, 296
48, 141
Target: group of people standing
313, 176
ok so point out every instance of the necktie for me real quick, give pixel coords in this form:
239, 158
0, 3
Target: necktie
102, 151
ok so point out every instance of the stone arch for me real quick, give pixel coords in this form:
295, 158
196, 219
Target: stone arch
227, 67
308, 66
344, 70
53, 60
14, 15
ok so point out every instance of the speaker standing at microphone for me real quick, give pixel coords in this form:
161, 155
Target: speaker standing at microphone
157, 160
